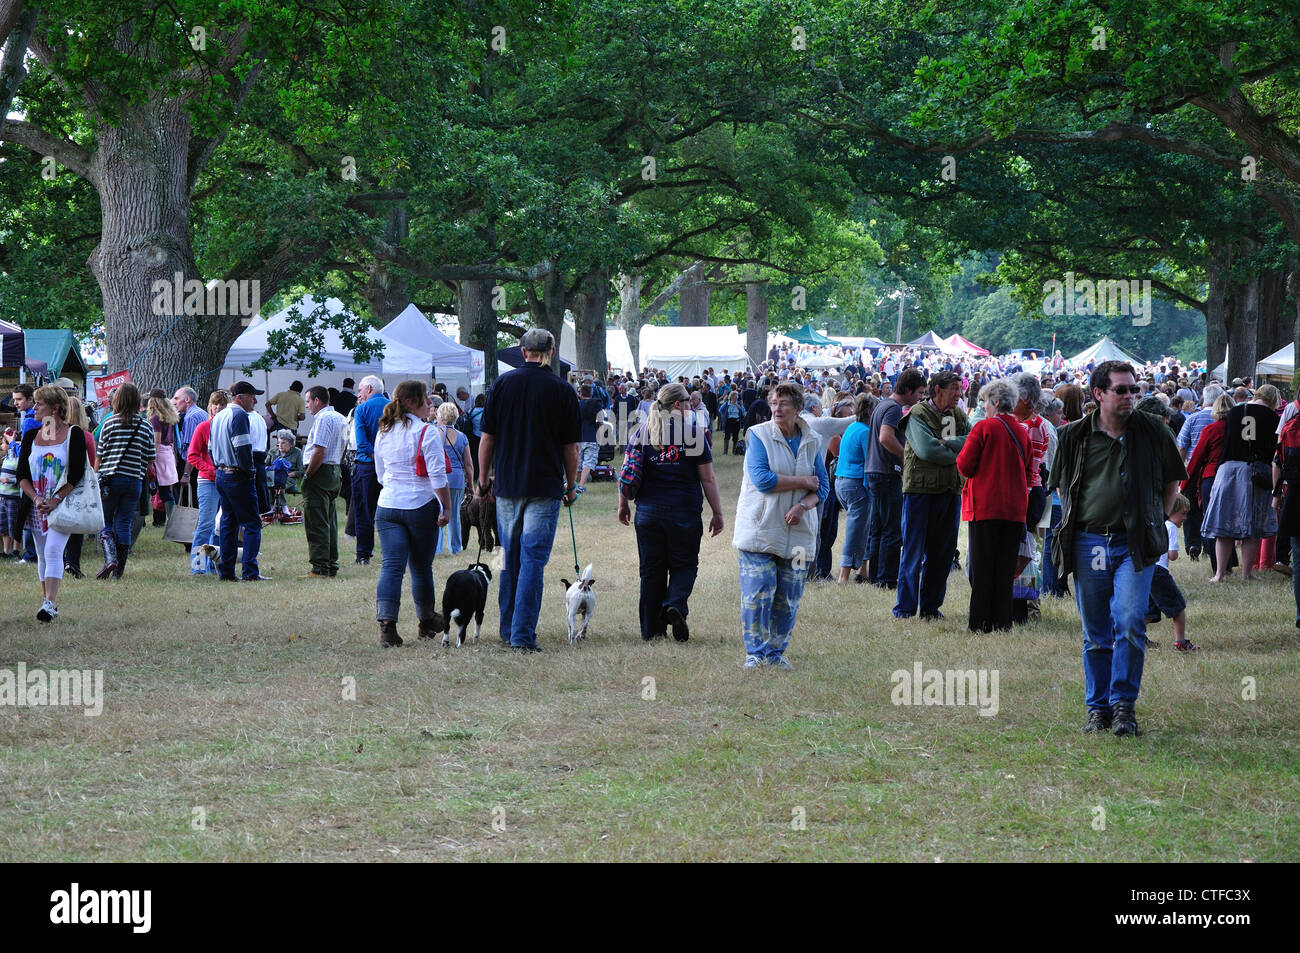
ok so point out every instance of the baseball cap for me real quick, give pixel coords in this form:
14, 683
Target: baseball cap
244, 387
537, 339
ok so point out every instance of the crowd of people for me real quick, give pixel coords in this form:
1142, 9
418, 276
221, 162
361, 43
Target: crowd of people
1059, 472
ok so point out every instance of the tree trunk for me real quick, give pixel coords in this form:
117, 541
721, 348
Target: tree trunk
694, 302
629, 312
13, 40
139, 170
589, 324
386, 290
756, 322
478, 323
553, 303
1293, 288
1216, 308
1274, 322
1243, 333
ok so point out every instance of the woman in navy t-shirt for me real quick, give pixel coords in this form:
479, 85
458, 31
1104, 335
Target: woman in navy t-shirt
676, 477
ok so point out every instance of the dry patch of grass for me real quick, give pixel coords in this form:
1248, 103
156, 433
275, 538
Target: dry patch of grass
226, 703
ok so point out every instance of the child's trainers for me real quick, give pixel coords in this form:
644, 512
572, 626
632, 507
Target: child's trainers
1186, 646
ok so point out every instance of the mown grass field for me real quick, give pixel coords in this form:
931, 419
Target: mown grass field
225, 704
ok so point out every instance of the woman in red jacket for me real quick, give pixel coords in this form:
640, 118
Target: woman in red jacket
995, 462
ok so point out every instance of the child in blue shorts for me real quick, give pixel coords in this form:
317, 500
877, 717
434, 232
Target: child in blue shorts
1166, 597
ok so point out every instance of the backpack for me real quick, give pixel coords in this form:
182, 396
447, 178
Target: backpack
465, 424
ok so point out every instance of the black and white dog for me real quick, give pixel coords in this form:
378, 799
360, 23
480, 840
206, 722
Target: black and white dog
465, 595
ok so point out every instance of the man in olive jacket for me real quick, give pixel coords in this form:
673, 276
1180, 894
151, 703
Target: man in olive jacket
933, 433
1118, 472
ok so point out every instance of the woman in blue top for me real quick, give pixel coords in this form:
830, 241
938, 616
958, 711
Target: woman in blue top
732, 414
457, 446
851, 488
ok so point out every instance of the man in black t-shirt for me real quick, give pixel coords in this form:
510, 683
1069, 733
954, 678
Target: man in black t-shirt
530, 430
884, 470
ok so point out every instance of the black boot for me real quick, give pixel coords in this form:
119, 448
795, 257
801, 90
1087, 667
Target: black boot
1125, 720
109, 544
122, 555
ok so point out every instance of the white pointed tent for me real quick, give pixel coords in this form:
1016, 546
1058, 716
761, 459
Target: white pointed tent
398, 361
1281, 363
1104, 350
688, 351
618, 351
450, 363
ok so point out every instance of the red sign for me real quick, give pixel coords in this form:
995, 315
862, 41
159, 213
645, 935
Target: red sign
106, 385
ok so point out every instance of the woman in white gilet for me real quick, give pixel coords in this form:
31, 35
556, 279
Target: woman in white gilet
776, 525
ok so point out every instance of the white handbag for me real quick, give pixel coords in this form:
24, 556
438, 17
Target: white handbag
82, 511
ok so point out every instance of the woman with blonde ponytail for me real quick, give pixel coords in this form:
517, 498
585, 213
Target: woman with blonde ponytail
676, 478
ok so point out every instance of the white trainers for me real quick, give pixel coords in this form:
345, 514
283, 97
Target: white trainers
753, 661
47, 612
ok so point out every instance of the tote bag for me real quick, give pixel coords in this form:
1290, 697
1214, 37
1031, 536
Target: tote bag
183, 519
82, 512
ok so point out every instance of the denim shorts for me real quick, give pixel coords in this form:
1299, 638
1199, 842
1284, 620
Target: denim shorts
1165, 594
9, 517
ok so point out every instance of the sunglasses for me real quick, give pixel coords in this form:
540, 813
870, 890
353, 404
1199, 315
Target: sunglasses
1121, 390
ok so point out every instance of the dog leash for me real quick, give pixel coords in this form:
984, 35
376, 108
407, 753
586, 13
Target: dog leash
574, 536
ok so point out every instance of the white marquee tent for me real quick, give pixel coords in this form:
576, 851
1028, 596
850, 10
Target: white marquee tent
1281, 363
618, 351
453, 364
688, 351
399, 361
1104, 350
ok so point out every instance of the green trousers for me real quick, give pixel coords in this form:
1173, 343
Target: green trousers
319, 519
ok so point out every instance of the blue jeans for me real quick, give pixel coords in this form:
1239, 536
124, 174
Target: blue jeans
855, 499
930, 523
449, 535
1112, 599
239, 511
121, 495
1052, 584
365, 501
526, 531
205, 530
407, 539
770, 591
885, 529
668, 544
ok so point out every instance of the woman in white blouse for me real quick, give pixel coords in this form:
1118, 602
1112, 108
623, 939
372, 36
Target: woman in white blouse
413, 505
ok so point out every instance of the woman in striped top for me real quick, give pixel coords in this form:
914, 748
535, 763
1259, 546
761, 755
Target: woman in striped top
126, 448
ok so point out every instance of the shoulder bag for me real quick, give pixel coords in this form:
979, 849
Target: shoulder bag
82, 512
